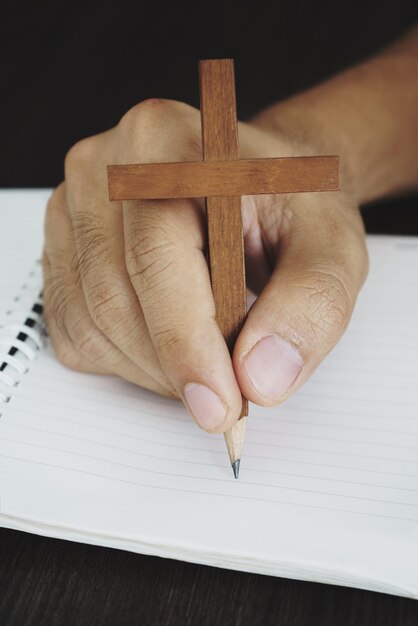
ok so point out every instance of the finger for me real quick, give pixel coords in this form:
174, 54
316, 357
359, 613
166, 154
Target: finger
167, 267
257, 265
55, 294
97, 227
307, 303
79, 344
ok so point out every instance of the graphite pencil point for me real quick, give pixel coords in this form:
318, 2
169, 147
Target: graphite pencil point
235, 467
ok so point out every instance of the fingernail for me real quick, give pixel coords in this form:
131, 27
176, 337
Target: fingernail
272, 366
206, 406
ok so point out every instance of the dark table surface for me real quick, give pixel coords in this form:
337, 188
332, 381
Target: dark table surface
48, 581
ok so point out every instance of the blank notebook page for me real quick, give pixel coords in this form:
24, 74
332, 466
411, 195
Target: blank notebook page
328, 489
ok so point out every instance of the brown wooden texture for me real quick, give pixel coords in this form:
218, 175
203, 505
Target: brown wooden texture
225, 234
228, 280
218, 110
223, 178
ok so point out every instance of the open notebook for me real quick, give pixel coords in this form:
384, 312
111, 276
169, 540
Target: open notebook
328, 489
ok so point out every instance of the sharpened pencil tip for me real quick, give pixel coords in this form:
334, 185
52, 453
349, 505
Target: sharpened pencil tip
235, 467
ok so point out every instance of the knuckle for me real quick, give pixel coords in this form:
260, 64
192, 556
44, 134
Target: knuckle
146, 128
91, 242
143, 118
168, 340
113, 311
78, 156
151, 255
148, 112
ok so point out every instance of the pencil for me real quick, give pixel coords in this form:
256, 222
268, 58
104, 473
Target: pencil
225, 232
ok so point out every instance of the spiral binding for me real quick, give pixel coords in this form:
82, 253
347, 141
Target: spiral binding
22, 338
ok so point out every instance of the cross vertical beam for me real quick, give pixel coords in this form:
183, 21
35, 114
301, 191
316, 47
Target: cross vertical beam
225, 234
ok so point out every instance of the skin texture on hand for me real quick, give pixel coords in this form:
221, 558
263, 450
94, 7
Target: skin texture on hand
368, 115
127, 288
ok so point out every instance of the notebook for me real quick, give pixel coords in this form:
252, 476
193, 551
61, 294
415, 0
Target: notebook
328, 489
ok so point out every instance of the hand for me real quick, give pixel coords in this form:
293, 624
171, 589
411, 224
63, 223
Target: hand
127, 288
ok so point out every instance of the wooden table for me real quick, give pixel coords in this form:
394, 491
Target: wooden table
48, 581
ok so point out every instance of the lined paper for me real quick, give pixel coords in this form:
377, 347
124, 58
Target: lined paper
328, 488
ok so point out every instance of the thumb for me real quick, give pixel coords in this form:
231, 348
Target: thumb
307, 303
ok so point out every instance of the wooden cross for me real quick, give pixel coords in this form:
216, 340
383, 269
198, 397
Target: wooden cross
222, 178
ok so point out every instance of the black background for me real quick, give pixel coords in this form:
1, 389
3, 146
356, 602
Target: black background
69, 70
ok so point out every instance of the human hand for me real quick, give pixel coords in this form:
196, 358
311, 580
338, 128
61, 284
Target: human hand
127, 288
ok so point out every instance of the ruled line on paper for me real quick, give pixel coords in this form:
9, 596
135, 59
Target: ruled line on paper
330, 449
300, 407
397, 402
194, 463
305, 394
217, 495
270, 417
355, 356
298, 422
105, 400
130, 436
204, 436
267, 418
318, 378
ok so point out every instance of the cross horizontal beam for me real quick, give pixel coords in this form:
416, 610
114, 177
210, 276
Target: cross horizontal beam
223, 178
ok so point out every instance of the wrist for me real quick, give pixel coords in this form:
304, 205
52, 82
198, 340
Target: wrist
304, 130
366, 115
